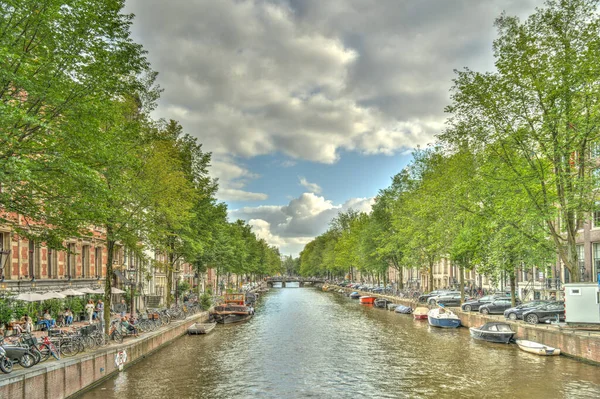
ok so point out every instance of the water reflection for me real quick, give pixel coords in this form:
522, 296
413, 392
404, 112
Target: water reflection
304, 343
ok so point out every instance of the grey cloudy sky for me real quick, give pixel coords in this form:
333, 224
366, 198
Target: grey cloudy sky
309, 80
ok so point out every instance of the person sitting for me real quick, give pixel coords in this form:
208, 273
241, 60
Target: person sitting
47, 320
128, 328
68, 317
27, 323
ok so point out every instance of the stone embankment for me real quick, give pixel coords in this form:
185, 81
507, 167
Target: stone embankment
68, 376
582, 345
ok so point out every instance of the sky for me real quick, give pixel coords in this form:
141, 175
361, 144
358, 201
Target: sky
309, 107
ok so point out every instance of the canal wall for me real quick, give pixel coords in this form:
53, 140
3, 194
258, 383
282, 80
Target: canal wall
68, 376
582, 345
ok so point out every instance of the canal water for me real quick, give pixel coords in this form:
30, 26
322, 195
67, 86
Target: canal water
304, 343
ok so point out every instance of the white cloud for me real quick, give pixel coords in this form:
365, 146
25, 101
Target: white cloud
312, 187
230, 194
233, 177
292, 226
311, 78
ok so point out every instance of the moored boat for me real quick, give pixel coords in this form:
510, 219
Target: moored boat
493, 332
420, 313
392, 306
537, 348
233, 310
403, 309
201, 328
381, 303
367, 300
443, 318
355, 295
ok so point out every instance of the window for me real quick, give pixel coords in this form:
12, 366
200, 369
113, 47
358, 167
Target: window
51, 264
98, 261
581, 259
32, 259
70, 260
575, 291
567, 274
85, 260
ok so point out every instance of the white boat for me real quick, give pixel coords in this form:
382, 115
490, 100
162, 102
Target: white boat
443, 318
201, 328
537, 348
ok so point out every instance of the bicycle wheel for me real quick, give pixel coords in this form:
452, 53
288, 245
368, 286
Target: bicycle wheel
27, 360
117, 337
6, 365
36, 354
89, 342
69, 348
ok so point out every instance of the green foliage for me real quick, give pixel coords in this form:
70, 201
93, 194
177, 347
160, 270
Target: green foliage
206, 300
183, 287
76, 304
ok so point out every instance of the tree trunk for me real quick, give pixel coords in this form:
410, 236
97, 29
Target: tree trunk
461, 271
430, 276
513, 299
110, 245
169, 271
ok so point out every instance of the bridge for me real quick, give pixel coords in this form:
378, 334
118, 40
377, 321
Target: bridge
302, 281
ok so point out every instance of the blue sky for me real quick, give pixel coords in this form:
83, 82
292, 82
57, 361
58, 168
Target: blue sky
353, 176
336, 93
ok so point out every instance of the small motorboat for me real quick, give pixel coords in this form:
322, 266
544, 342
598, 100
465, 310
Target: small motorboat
392, 306
420, 313
493, 332
537, 348
367, 300
355, 295
201, 328
381, 303
443, 318
403, 309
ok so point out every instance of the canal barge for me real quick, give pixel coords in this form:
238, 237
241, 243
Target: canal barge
493, 332
443, 318
233, 310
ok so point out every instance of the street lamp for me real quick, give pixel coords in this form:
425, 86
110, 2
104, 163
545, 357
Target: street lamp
131, 277
176, 272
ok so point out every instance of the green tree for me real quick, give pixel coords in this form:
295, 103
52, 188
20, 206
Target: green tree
540, 112
61, 62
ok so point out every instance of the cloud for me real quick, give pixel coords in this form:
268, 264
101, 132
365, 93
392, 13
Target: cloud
309, 78
230, 194
233, 177
292, 226
312, 187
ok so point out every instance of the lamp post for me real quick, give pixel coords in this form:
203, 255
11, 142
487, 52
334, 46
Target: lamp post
131, 276
176, 272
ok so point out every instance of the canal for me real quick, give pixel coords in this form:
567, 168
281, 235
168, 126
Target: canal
304, 343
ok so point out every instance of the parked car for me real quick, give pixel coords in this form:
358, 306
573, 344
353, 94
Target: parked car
497, 306
425, 297
516, 313
476, 304
448, 299
545, 313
